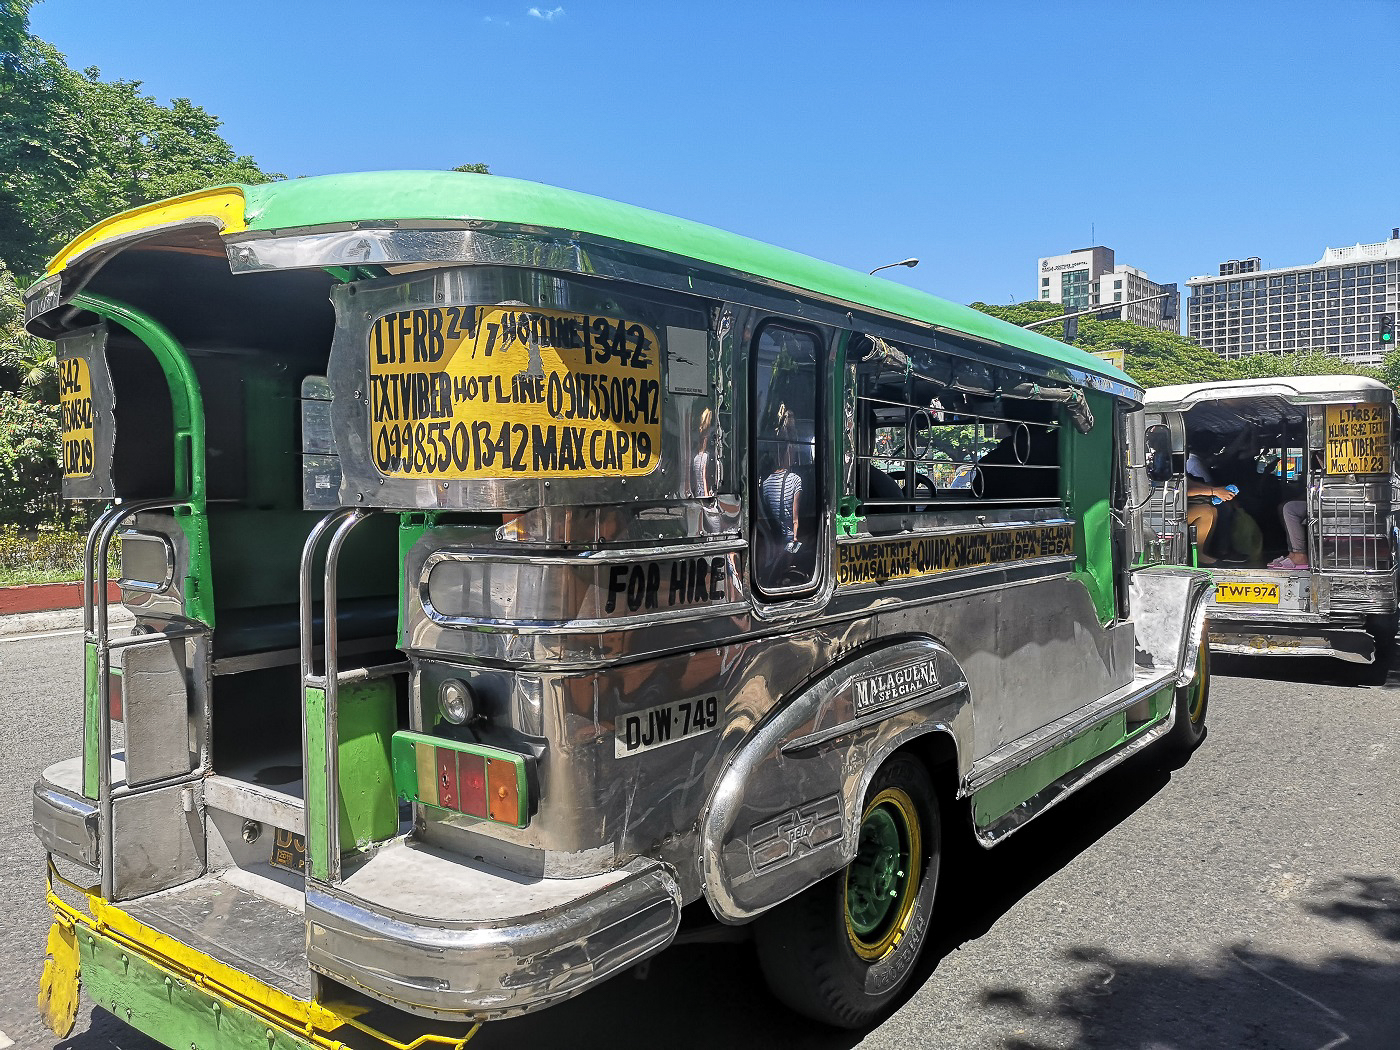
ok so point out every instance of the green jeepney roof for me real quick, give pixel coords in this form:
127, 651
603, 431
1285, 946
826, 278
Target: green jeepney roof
419, 197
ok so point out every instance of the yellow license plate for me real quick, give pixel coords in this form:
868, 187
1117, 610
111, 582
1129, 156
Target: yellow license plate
1247, 593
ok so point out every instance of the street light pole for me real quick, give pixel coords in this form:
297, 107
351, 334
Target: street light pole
911, 263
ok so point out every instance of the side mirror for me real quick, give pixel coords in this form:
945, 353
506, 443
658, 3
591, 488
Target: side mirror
1159, 454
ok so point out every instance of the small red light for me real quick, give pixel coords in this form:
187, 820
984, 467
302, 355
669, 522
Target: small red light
471, 780
114, 697
447, 778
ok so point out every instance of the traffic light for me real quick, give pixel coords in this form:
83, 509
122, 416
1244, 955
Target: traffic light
1385, 331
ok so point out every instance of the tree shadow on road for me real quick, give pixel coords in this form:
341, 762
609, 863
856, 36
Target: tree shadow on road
1242, 997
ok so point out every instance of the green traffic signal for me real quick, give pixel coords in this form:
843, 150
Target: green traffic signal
1385, 330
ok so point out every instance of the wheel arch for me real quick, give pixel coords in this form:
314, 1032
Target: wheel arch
785, 813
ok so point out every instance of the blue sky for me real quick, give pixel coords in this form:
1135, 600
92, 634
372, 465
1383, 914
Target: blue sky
977, 136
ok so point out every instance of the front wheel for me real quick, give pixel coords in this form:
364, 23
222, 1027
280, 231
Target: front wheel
840, 952
1192, 700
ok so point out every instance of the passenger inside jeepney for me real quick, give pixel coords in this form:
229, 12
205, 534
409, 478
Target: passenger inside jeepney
1236, 484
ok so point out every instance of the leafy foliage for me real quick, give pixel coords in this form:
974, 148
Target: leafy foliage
74, 149
1156, 358
479, 169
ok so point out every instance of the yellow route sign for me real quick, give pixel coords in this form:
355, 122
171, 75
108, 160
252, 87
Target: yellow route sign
464, 392
1358, 439
75, 404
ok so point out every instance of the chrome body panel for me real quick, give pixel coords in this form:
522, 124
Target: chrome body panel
450, 937
1352, 643
65, 824
405, 249
786, 812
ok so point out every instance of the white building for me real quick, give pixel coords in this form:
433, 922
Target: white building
1333, 305
1088, 278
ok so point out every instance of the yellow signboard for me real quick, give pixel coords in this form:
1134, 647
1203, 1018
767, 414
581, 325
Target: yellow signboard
1247, 593
459, 393
1358, 439
1113, 355
75, 404
878, 561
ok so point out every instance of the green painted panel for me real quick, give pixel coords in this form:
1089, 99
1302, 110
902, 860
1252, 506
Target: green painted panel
1087, 480
94, 709
460, 197
367, 801
317, 840
168, 1008
369, 805
1006, 793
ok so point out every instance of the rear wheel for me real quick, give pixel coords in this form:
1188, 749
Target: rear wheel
841, 951
1192, 699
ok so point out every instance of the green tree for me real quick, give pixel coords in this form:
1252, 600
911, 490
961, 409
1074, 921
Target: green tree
45, 143
77, 148
74, 149
29, 420
479, 169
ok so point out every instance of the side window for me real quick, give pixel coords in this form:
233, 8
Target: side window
933, 433
787, 459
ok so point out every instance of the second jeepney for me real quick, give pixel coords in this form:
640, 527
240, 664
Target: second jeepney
513, 569
1300, 472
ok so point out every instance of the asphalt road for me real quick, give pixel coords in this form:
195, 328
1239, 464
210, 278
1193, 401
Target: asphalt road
1250, 899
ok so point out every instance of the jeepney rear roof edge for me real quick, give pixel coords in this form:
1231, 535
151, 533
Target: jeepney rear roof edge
379, 200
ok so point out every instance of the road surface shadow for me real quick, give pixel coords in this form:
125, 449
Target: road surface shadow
714, 995
1240, 998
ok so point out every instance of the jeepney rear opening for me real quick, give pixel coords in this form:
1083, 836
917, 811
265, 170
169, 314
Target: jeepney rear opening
1287, 485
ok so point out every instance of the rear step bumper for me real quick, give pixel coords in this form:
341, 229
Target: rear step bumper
437, 936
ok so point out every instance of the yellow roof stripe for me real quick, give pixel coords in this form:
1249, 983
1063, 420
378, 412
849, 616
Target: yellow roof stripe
223, 207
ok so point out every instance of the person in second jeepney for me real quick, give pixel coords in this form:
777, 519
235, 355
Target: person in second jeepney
515, 570
1309, 462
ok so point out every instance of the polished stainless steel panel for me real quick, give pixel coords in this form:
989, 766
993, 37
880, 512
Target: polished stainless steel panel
147, 561
166, 602
448, 937
66, 825
159, 839
156, 710
786, 812
408, 246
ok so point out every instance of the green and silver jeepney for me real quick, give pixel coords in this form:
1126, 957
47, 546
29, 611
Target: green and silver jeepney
512, 569
1319, 449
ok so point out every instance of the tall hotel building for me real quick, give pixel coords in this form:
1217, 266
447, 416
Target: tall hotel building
1333, 305
1088, 278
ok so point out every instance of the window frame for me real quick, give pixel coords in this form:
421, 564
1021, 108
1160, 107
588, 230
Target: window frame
821, 439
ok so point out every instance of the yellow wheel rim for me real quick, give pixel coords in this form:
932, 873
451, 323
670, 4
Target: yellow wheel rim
882, 882
1200, 686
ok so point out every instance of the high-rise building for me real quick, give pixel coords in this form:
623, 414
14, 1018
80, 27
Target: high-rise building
1088, 278
1334, 305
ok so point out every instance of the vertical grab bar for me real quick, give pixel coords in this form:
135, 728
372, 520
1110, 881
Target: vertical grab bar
343, 522
99, 752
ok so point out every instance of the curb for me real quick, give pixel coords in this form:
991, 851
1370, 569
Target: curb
43, 597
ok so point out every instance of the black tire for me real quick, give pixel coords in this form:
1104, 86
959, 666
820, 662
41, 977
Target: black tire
1192, 701
844, 965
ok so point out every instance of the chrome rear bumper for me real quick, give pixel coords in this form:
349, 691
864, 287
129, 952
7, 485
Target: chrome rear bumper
437, 936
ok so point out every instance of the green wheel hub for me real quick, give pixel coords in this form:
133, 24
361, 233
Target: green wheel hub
882, 880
